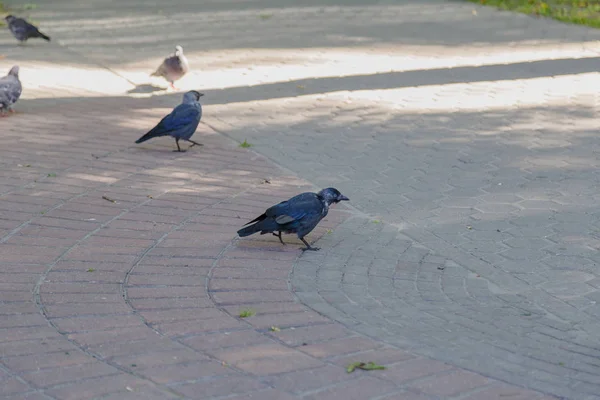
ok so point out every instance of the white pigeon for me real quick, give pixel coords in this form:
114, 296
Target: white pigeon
173, 67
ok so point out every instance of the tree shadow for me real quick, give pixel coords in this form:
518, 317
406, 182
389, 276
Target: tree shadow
364, 82
146, 88
124, 33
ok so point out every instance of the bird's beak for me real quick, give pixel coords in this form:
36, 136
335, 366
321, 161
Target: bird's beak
341, 197
200, 94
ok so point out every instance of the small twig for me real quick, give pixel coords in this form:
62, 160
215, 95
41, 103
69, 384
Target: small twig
109, 199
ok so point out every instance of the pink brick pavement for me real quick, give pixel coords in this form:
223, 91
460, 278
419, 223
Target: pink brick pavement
138, 297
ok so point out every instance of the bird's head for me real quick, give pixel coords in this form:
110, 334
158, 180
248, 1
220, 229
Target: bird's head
14, 71
192, 95
332, 196
9, 18
178, 50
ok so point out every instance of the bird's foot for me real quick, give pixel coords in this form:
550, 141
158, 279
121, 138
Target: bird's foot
195, 144
12, 111
310, 248
179, 151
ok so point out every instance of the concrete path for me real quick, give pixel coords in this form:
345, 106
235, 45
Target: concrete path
466, 263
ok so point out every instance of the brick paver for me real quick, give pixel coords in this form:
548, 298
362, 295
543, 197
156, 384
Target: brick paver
465, 262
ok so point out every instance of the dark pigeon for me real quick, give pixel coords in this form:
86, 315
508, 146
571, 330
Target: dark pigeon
23, 30
181, 123
10, 90
173, 67
299, 215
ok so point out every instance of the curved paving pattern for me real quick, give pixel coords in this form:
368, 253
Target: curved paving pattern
472, 167
482, 155
122, 278
385, 285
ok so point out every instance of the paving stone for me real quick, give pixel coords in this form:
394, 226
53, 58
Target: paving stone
450, 384
355, 389
341, 346
470, 165
221, 387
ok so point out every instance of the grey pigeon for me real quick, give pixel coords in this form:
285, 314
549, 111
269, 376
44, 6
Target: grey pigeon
299, 215
181, 123
173, 67
10, 90
23, 30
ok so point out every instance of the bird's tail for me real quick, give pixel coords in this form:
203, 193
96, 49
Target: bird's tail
160, 71
248, 230
45, 37
151, 134
262, 225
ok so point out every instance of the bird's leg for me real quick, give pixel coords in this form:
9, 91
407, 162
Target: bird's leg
279, 236
308, 246
178, 148
194, 143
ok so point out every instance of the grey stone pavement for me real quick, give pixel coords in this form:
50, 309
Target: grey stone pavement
465, 137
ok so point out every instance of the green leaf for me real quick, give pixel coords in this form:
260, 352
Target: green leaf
247, 312
245, 144
368, 366
350, 368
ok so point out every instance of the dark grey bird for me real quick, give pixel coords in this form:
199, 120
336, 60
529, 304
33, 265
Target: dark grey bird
299, 215
173, 67
181, 123
23, 30
10, 90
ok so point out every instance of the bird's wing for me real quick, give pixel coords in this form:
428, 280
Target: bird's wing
295, 208
18, 26
30, 27
5, 82
10, 88
160, 71
181, 116
173, 63
4, 101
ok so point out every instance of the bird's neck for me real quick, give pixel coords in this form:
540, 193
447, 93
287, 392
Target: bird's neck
326, 204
